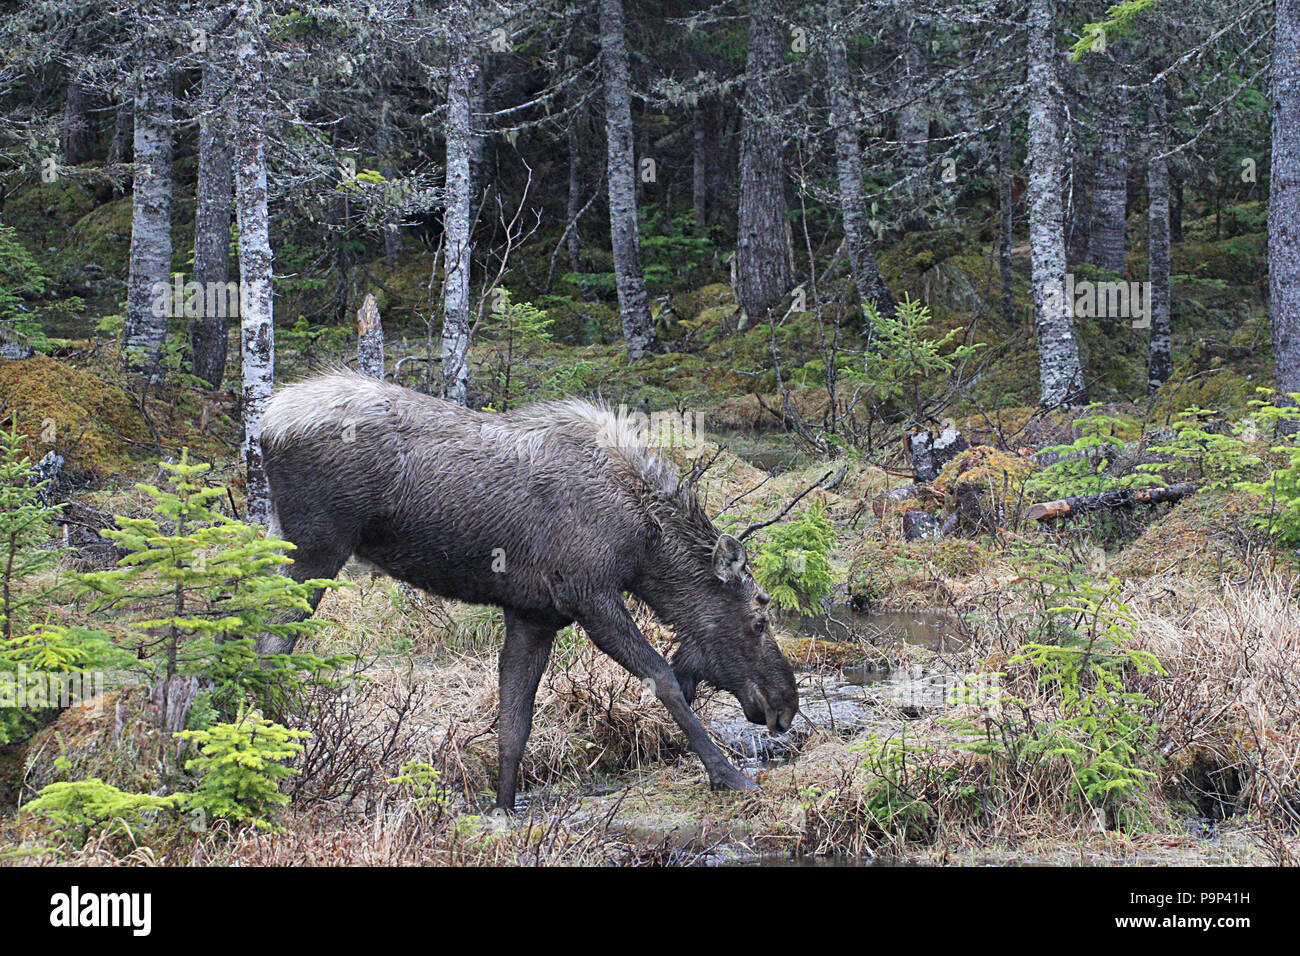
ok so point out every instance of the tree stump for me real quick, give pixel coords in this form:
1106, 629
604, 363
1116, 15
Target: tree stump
370, 339
930, 451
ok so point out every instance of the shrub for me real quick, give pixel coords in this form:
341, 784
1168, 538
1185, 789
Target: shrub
86, 807
196, 588
793, 563
240, 769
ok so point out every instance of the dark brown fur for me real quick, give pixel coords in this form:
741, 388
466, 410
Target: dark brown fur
551, 512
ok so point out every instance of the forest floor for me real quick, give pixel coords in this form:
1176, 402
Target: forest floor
895, 758
878, 767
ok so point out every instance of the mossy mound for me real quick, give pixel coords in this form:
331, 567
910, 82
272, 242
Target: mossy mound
113, 736
982, 485
1205, 535
73, 411
919, 251
692, 305
1210, 379
44, 213
102, 237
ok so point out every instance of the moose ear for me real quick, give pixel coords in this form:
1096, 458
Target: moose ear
728, 558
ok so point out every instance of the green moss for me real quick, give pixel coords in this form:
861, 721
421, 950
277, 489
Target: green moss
81, 416
919, 251
43, 214
1204, 535
690, 305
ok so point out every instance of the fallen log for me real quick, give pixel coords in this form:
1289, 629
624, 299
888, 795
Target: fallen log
1115, 498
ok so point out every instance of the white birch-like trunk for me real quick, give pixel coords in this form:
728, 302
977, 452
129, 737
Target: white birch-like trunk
257, 331
1059, 373
456, 217
1284, 199
144, 330
633, 304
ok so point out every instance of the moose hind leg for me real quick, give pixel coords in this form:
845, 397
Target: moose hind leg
523, 658
612, 629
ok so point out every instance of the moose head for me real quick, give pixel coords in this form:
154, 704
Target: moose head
724, 638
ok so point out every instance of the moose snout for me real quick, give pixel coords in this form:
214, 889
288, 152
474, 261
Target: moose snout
781, 720
758, 710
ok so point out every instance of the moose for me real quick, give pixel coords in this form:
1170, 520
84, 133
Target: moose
552, 512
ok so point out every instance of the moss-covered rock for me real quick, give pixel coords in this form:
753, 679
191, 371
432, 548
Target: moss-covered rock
982, 485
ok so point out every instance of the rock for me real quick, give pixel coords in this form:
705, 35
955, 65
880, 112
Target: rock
929, 451
48, 469
16, 351
918, 524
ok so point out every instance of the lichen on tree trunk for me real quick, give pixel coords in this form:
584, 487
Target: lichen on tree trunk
1059, 373
144, 329
214, 195
257, 331
764, 272
1284, 199
633, 305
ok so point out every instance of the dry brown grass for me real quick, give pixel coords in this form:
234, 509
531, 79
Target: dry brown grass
1230, 705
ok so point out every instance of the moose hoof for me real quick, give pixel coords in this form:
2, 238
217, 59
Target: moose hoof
733, 779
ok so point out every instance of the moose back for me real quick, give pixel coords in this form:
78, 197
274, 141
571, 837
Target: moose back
551, 512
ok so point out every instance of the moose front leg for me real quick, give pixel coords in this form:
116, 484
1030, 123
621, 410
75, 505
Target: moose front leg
611, 628
523, 658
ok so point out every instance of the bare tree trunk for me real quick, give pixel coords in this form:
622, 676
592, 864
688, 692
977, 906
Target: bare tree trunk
914, 129
456, 218
120, 149
638, 327
214, 195
388, 168
1159, 365
1175, 206
700, 170
764, 272
78, 134
1284, 199
257, 329
1005, 211
370, 340
1110, 186
1059, 373
574, 202
848, 167
144, 331
477, 103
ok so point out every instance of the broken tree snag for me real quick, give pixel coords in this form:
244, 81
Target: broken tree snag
918, 524
929, 451
370, 339
1115, 498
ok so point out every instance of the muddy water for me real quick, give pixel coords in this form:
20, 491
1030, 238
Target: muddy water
840, 702
772, 451
934, 630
